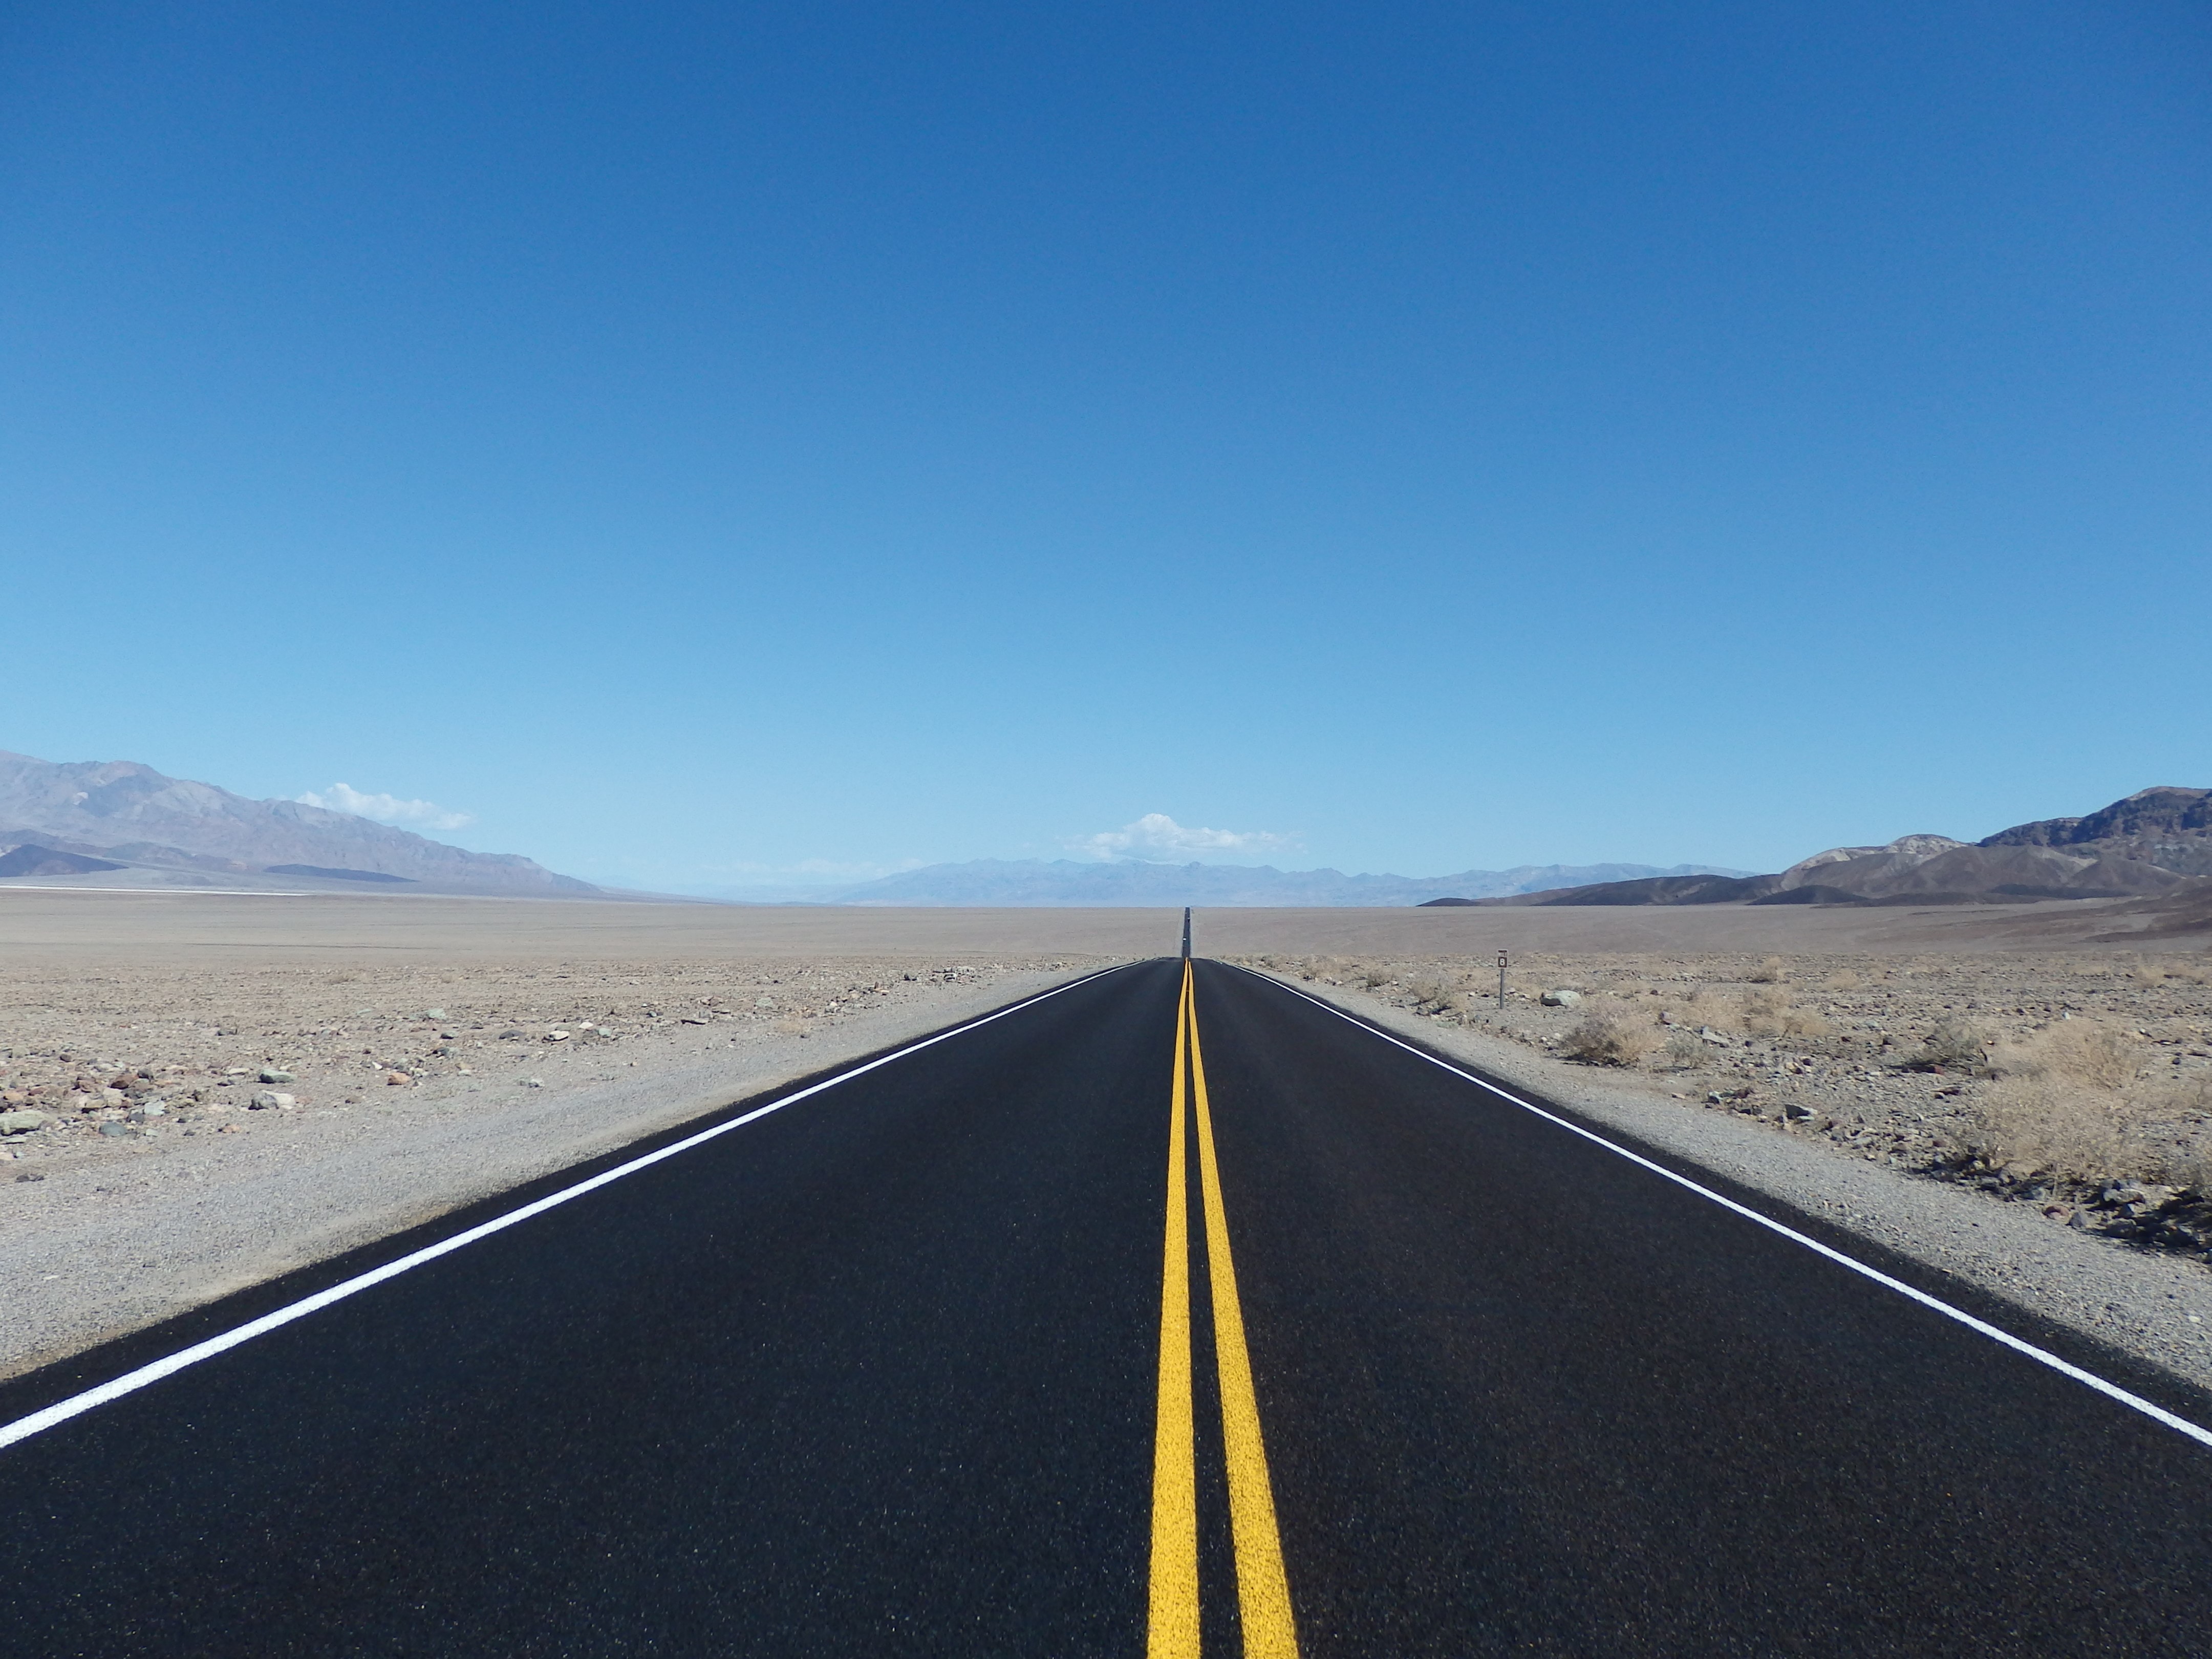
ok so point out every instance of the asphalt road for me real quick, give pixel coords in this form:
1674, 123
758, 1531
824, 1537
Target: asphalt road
893, 1370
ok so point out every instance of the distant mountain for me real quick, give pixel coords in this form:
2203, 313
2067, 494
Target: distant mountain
35, 861
1072, 882
186, 833
2155, 843
1652, 889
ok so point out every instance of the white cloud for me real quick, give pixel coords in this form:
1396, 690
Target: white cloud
384, 809
1159, 838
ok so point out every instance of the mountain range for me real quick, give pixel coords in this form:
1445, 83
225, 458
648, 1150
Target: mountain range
1131, 882
118, 822
2155, 843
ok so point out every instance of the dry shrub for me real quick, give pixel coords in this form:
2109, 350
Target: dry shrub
2190, 1162
1770, 1013
1374, 979
2046, 1126
1439, 995
1770, 972
2081, 1052
1604, 1038
2069, 1101
1843, 979
1686, 1051
1952, 1046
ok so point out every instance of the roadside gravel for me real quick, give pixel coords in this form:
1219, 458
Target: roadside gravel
107, 1232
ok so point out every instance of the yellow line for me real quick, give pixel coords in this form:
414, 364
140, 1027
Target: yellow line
1263, 1590
1172, 1630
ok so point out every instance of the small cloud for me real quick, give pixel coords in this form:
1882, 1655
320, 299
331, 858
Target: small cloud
384, 809
1158, 838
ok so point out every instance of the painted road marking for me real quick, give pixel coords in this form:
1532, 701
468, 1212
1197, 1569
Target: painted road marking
130, 1382
2041, 1356
1173, 1626
1263, 1591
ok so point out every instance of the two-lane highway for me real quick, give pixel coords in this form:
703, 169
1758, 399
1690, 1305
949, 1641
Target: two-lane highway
1167, 1313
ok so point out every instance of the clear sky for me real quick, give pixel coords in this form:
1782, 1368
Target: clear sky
715, 444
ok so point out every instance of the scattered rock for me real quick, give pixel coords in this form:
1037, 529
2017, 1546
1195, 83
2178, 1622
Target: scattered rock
28, 1175
1561, 999
396, 1079
116, 1130
533, 1083
266, 1100
562, 1036
433, 1014
270, 1074
22, 1122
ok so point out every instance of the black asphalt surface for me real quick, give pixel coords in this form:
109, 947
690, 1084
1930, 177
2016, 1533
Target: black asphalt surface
875, 1375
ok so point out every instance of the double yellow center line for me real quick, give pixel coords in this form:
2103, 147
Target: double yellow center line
1263, 1593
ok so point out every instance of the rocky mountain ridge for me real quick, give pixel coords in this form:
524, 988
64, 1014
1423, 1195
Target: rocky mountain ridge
2156, 843
2168, 827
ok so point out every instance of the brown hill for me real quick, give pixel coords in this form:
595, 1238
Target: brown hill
1992, 872
1651, 889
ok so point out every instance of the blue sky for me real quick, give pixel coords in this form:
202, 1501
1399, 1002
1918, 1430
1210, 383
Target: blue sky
724, 445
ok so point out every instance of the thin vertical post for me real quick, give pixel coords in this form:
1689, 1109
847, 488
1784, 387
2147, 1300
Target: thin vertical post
1501, 981
1186, 933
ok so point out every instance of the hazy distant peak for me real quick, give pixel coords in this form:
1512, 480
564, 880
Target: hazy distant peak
1135, 882
139, 817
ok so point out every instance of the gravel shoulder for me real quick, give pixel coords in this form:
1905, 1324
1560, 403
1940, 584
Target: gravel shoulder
112, 1218
2155, 1306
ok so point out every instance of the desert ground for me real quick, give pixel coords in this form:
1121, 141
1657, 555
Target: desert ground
2080, 1082
202, 1090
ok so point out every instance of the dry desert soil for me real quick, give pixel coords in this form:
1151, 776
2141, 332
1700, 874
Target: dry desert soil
421, 1054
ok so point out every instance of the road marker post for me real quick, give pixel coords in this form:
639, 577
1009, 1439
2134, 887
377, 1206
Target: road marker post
1501, 981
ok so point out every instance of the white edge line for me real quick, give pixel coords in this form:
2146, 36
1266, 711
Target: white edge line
2043, 1356
130, 1382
